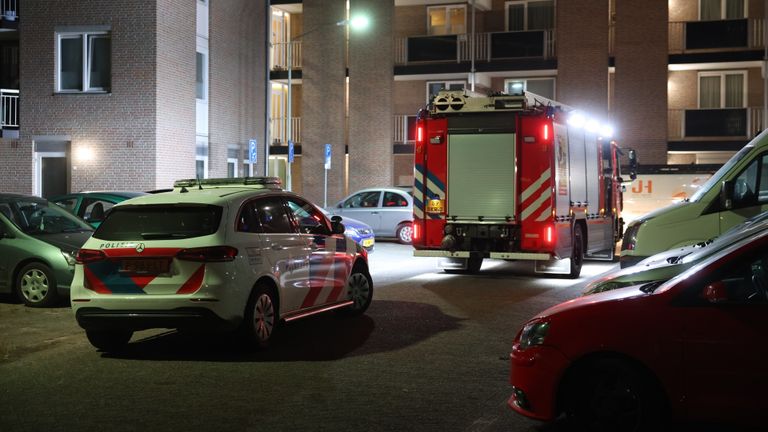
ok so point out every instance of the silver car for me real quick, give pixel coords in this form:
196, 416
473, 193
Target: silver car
389, 211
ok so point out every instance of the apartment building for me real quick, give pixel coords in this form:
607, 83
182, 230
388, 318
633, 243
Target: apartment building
682, 81
130, 95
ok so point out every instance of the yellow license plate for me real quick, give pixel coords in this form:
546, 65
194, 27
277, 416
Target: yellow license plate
368, 242
435, 206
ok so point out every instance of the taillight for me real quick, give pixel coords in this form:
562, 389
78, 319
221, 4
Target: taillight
416, 231
420, 134
208, 254
85, 256
546, 132
549, 234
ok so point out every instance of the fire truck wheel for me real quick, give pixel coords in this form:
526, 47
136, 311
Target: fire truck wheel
405, 233
577, 255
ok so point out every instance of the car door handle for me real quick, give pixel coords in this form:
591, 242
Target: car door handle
374, 212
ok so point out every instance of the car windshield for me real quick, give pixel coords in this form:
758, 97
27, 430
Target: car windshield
39, 217
159, 222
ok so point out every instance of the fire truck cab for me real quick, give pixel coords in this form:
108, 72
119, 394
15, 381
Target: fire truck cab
514, 178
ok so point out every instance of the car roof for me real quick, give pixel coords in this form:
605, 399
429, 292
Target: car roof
211, 195
385, 189
10, 197
97, 194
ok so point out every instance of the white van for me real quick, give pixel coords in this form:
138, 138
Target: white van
737, 191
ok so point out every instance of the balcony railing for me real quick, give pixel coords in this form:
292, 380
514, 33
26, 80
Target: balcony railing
488, 47
720, 35
278, 130
9, 10
9, 108
715, 123
280, 55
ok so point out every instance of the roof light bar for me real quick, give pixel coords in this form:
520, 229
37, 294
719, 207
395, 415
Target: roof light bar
266, 182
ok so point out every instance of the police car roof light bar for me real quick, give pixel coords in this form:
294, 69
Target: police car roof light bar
265, 182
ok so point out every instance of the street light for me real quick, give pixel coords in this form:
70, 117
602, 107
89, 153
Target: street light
359, 22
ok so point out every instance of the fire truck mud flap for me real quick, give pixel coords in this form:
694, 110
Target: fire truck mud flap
553, 266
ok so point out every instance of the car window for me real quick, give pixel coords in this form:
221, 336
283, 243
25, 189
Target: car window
248, 220
40, 217
363, 199
159, 222
272, 216
746, 282
93, 209
394, 199
309, 218
67, 204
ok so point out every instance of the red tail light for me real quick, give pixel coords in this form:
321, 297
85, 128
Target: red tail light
546, 132
549, 234
420, 134
416, 231
208, 254
85, 256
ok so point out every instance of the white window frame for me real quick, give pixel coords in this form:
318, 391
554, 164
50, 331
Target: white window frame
525, 13
722, 75
525, 83
722, 9
204, 54
60, 35
445, 84
447, 8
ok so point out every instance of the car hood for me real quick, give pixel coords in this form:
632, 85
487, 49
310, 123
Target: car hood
354, 223
67, 242
620, 294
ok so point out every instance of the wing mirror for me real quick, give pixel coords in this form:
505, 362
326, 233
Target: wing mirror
716, 292
336, 226
632, 164
726, 194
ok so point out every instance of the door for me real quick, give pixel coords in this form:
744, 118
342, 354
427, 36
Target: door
750, 195
364, 206
51, 174
394, 210
329, 263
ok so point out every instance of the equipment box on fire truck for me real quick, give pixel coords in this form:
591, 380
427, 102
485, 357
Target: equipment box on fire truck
514, 178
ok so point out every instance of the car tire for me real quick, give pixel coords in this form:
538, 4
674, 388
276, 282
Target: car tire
404, 233
577, 254
613, 395
262, 318
360, 291
36, 285
109, 340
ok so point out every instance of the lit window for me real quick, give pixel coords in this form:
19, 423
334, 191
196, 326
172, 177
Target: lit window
445, 20
722, 89
710, 10
530, 15
541, 86
84, 62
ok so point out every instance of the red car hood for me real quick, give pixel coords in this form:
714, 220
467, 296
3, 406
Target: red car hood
620, 294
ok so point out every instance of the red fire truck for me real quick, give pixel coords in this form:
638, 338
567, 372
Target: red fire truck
514, 178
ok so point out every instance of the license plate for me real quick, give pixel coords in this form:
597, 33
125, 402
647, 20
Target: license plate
145, 266
368, 242
435, 206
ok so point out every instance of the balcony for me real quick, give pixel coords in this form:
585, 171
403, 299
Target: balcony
723, 123
278, 130
9, 15
721, 35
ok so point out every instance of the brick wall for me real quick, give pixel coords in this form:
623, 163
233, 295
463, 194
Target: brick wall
237, 80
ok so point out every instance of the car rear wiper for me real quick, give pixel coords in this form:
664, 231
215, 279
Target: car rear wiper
165, 235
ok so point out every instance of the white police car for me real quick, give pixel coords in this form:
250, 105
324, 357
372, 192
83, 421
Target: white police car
215, 253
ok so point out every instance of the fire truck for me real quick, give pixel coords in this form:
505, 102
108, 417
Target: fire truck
514, 177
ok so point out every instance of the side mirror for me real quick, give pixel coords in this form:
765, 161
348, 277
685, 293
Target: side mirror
726, 194
336, 226
632, 164
715, 292
339, 205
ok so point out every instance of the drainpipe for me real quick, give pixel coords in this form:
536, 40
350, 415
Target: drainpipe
472, 49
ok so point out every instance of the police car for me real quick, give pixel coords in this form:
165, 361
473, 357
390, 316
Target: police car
216, 253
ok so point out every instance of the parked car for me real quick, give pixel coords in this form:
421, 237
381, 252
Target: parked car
691, 347
38, 244
389, 211
91, 206
668, 264
359, 232
227, 254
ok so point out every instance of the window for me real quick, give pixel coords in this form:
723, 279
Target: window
309, 219
751, 186
722, 89
433, 87
201, 157
200, 72
84, 62
394, 199
722, 9
540, 86
93, 210
160, 222
445, 20
363, 199
272, 217
530, 15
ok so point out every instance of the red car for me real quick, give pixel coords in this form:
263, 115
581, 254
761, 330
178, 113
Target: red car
633, 359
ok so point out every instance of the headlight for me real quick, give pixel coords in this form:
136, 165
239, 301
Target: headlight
69, 257
533, 334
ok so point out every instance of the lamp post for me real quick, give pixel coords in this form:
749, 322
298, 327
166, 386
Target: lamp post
357, 23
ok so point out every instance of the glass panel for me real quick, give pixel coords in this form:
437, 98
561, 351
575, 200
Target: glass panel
158, 222
71, 73
200, 87
433, 88
457, 17
99, 59
516, 17
272, 216
734, 9
515, 87
710, 10
456, 86
38, 217
437, 24
745, 185
363, 199
541, 15
763, 191
734, 91
709, 92
542, 87
200, 168
310, 220
393, 199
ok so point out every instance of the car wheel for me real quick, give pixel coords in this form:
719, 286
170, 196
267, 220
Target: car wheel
612, 395
405, 233
261, 317
360, 291
108, 340
577, 254
36, 285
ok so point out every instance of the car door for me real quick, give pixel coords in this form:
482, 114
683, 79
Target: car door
285, 251
364, 206
330, 263
750, 195
394, 210
724, 349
